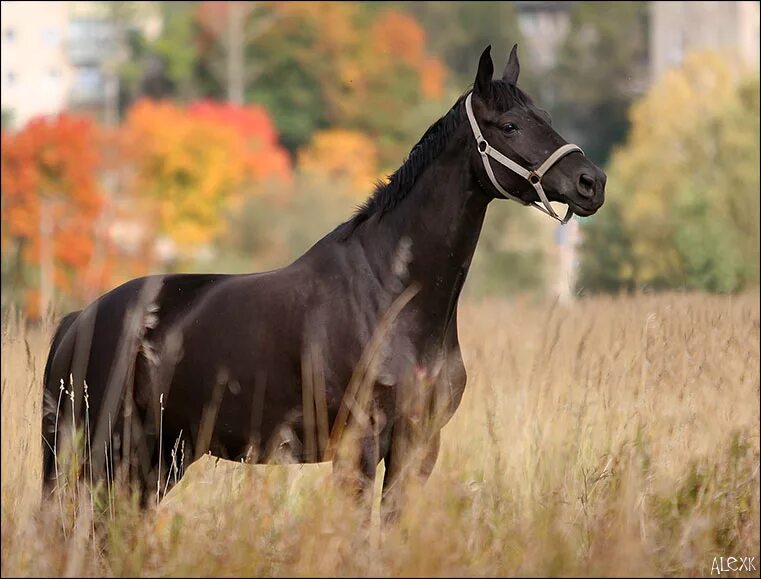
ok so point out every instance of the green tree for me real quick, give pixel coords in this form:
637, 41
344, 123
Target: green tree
7, 119
318, 66
599, 66
287, 73
606, 250
683, 203
166, 65
458, 32
512, 252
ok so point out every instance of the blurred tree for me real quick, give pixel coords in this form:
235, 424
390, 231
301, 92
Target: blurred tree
264, 157
7, 119
342, 155
224, 30
512, 252
398, 77
600, 68
281, 222
327, 65
458, 32
191, 165
683, 203
283, 64
51, 201
606, 250
163, 66
187, 169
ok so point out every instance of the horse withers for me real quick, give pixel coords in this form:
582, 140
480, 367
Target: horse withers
355, 340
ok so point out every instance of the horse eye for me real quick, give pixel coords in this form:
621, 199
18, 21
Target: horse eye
510, 128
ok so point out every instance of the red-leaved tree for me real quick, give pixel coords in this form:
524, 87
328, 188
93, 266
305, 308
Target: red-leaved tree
51, 203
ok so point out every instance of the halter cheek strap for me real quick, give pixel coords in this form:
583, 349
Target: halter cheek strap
533, 177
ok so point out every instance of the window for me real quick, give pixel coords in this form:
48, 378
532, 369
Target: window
90, 41
88, 78
51, 36
88, 85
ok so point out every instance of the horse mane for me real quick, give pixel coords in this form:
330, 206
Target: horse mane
388, 195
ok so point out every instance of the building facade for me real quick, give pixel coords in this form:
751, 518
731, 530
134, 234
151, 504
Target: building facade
543, 25
63, 55
677, 28
36, 74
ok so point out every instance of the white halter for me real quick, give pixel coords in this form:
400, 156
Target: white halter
533, 177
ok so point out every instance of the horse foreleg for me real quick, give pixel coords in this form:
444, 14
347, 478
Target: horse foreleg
407, 460
354, 471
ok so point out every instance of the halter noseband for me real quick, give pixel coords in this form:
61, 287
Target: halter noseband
533, 177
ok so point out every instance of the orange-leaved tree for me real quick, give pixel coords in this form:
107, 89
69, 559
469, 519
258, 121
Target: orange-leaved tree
264, 157
51, 204
399, 39
348, 157
190, 166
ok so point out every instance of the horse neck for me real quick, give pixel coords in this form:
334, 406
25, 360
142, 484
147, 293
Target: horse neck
434, 231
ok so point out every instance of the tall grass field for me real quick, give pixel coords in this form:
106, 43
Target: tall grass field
611, 436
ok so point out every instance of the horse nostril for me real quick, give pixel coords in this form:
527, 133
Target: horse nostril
586, 185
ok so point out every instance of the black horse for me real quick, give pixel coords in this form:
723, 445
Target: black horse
355, 340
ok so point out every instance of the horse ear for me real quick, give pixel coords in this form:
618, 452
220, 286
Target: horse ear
485, 72
512, 68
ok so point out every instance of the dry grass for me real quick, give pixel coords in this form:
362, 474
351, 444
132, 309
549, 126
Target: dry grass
619, 436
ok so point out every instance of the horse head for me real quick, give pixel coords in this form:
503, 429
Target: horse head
517, 153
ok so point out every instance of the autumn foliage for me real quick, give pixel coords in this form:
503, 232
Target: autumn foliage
264, 157
342, 156
683, 203
398, 38
191, 165
331, 66
175, 172
327, 85
51, 166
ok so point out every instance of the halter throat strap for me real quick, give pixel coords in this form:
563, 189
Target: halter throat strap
534, 177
